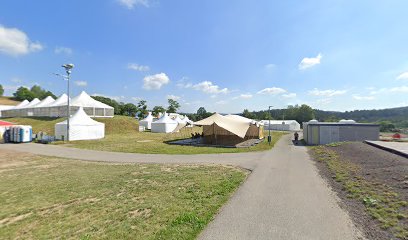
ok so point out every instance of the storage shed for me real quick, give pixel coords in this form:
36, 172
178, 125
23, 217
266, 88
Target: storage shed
316, 133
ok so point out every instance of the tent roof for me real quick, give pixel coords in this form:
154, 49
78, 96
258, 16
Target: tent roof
80, 118
61, 101
279, 121
165, 119
149, 118
84, 100
32, 103
45, 102
23, 104
237, 127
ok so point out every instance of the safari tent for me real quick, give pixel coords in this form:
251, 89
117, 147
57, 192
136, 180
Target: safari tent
229, 130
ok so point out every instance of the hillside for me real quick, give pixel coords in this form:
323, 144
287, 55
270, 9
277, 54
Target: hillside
8, 101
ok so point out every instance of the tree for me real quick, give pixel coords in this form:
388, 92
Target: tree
157, 110
201, 111
23, 93
201, 114
41, 93
1, 90
173, 106
304, 114
142, 108
129, 109
109, 102
248, 114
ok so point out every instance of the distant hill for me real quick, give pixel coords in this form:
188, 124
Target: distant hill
8, 101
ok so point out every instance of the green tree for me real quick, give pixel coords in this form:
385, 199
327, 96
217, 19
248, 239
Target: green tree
129, 109
142, 108
248, 114
23, 93
41, 93
157, 110
304, 114
1, 90
386, 126
201, 114
173, 106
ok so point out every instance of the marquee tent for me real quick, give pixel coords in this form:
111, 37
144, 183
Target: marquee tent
222, 130
180, 123
22, 104
81, 127
58, 108
281, 125
147, 121
164, 125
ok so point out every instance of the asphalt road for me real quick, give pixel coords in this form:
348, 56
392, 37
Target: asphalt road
283, 198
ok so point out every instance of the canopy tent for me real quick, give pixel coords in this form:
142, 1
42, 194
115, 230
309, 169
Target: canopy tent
147, 121
164, 125
282, 125
81, 127
22, 104
58, 108
218, 129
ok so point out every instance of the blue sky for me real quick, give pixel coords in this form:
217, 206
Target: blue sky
223, 55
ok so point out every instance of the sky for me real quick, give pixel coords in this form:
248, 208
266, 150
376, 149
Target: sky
225, 56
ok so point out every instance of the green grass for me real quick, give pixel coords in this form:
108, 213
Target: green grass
380, 201
121, 135
48, 198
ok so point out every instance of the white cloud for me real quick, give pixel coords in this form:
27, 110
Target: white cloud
130, 4
310, 62
155, 82
15, 42
363, 98
63, 50
207, 87
243, 96
174, 97
270, 66
403, 76
272, 91
289, 95
326, 93
137, 67
401, 89
81, 83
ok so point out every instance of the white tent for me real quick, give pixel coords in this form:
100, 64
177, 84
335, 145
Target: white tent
34, 102
282, 125
147, 121
241, 118
81, 127
61, 101
22, 104
164, 125
180, 123
45, 102
91, 106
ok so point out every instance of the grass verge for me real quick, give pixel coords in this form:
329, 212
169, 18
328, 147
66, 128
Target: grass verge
121, 135
379, 200
48, 198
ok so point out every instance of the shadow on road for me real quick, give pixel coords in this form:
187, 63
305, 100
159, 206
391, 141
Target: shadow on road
299, 143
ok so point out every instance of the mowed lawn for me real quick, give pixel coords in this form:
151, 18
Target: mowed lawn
121, 135
50, 198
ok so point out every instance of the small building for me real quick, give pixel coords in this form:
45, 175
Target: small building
317, 133
281, 125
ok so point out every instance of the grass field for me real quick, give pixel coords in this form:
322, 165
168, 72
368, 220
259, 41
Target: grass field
8, 101
122, 136
49, 198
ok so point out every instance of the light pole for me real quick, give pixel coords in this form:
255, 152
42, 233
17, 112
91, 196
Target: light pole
68, 67
269, 126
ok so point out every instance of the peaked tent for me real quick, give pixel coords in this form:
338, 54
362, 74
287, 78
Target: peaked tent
164, 125
218, 129
147, 121
22, 104
91, 106
45, 102
60, 101
180, 123
81, 127
32, 103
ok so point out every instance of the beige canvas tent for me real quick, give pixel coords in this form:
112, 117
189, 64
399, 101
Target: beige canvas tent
224, 130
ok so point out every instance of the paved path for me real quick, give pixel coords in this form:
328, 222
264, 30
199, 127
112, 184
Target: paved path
400, 148
283, 198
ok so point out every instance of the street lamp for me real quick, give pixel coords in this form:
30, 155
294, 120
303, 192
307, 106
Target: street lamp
68, 67
269, 126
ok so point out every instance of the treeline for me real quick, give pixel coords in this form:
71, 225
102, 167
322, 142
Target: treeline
300, 113
140, 109
35, 91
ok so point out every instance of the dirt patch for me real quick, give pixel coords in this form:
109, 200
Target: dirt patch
11, 159
11, 220
141, 212
382, 169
